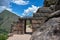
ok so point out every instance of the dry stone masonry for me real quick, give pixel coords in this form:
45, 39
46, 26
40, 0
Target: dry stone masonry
18, 27
50, 29
40, 16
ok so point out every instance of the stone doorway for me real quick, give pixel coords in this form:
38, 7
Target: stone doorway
28, 27
22, 26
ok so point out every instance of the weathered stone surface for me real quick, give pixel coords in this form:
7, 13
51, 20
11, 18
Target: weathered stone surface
50, 30
47, 3
18, 27
57, 7
55, 14
40, 16
44, 10
52, 21
52, 7
35, 26
38, 21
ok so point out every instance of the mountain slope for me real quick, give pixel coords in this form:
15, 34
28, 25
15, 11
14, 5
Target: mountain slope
6, 18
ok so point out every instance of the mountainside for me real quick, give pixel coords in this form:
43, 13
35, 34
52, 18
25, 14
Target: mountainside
6, 18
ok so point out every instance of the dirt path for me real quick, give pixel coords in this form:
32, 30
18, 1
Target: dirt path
20, 37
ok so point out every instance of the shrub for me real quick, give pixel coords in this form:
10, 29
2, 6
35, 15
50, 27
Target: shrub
3, 37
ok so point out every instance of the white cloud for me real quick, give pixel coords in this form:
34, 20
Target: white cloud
5, 4
21, 2
5, 8
32, 9
9, 9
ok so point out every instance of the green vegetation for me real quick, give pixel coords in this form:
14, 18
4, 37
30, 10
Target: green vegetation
3, 37
28, 22
3, 34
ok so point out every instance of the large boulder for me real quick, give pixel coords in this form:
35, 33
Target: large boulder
44, 10
40, 16
50, 30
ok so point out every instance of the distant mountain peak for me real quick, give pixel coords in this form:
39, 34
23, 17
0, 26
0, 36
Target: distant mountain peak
6, 18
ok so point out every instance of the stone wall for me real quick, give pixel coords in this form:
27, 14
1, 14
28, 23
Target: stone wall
40, 17
18, 27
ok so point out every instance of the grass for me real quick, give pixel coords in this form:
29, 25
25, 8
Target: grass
3, 37
3, 34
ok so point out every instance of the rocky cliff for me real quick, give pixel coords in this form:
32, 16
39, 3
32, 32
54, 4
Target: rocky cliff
50, 28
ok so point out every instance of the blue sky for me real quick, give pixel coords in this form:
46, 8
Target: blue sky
21, 7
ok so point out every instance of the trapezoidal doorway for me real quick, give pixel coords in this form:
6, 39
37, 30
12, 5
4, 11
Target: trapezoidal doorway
28, 27
22, 26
